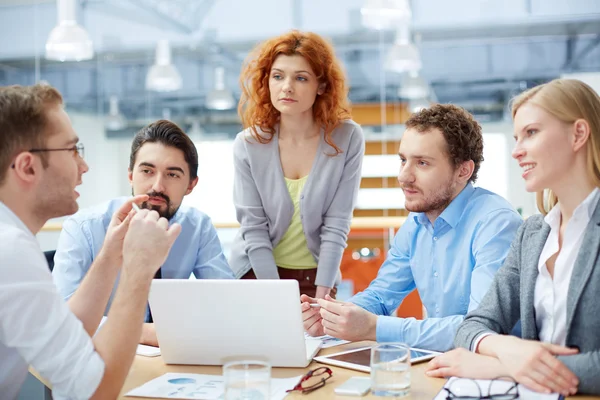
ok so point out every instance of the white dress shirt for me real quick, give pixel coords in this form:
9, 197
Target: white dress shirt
37, 327
550, 297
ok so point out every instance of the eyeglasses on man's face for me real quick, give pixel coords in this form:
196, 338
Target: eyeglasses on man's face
77, 150
313, 380
501, 388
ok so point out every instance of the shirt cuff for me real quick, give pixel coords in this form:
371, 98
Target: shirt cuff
479, 339
328, 269
263, 263
385, 331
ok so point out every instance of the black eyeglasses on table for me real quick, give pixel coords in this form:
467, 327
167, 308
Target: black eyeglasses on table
468, 389
313, 380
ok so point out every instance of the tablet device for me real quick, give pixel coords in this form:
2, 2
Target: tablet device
360, 359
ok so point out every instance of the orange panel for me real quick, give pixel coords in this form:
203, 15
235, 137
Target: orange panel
369, 114
382, 147
378, 183
390, 212
361, 272
411, 306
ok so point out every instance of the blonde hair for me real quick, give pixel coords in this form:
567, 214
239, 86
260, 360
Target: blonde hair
568, 100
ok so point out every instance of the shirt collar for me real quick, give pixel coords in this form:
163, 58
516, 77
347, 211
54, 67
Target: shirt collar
452, 213
179, 215
553, 217
7, 216
590, 202
584, 210
421, 218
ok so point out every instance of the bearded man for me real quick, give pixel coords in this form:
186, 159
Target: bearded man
450, 247
163, 166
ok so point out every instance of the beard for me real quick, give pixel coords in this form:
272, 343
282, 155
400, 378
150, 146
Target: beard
436, 200
169, 210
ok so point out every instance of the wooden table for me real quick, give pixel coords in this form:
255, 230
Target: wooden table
145, 369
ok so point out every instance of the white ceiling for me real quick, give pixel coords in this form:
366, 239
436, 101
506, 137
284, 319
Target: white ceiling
473, 51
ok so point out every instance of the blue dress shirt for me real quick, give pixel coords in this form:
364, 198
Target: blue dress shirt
451, 263
196, 250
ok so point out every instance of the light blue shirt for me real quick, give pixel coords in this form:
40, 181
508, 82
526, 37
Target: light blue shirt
451, 263
196, 250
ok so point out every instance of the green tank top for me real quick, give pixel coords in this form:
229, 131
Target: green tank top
292, 251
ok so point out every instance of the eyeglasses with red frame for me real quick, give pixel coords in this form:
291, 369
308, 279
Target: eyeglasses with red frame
313, 380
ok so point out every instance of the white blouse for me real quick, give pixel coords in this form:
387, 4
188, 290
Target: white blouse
550, 297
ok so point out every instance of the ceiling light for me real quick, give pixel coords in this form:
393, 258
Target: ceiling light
114, 121
412, 86
416, 105
404, 56
196, 130
385, 14
68, 41
163, 76
166, 114
220, 98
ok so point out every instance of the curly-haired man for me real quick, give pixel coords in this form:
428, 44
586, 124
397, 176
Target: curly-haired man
449, 249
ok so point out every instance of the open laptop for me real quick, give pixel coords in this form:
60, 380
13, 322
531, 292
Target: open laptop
205, 321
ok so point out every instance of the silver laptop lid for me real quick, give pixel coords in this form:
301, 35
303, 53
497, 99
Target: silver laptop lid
204, 322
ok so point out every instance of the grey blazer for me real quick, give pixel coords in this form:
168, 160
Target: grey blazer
510, 297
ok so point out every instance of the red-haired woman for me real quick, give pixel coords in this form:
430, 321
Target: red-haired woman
297, 164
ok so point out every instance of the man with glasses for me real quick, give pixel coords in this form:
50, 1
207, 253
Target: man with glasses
40, 167
164, 166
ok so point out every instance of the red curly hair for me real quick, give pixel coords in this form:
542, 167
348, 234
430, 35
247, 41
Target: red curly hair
330, 108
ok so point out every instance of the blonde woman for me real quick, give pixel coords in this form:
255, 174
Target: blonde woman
551, 277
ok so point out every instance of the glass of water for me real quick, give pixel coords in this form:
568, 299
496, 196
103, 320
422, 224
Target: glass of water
390, 369
247, 380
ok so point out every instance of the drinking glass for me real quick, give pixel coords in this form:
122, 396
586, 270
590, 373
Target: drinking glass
247, 380
390, 369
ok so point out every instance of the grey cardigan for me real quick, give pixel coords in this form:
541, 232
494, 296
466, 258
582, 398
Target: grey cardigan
511, 297
264, 208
